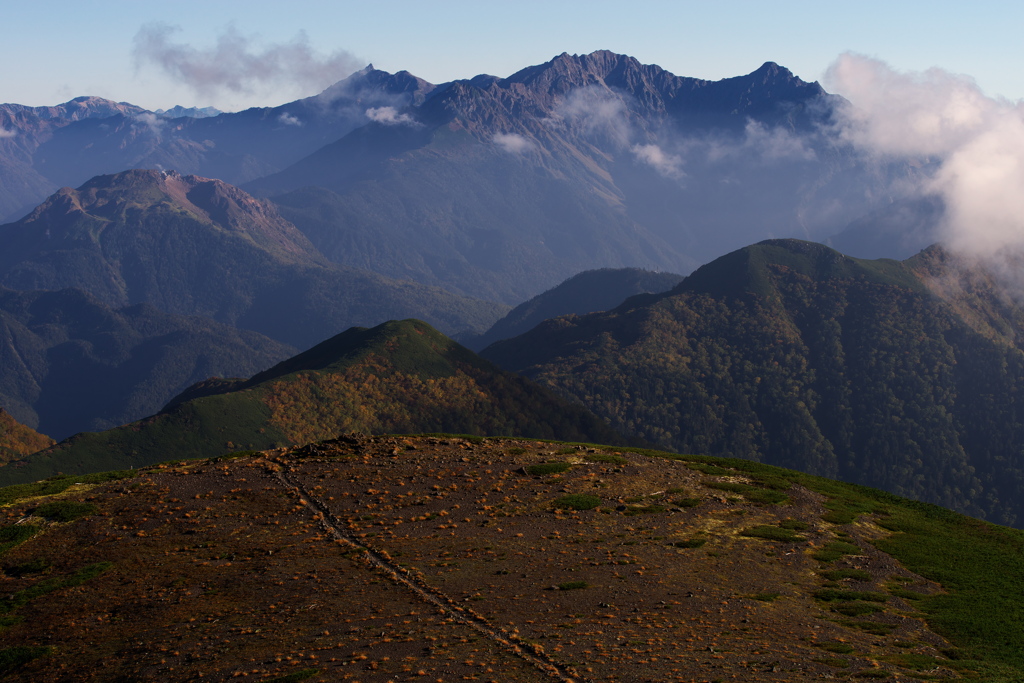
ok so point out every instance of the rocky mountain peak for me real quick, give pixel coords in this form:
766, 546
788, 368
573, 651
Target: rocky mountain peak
112, 197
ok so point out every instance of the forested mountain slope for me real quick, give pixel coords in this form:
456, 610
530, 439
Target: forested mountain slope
399, 377
907, 376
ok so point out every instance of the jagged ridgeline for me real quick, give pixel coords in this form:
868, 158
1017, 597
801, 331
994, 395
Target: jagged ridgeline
399, 377
905, 376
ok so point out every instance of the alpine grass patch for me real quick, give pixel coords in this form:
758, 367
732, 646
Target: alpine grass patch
577, 501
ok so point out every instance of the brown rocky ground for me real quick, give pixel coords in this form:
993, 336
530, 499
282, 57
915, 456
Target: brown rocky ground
440, 559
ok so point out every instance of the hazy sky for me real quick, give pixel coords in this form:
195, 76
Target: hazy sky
239, 54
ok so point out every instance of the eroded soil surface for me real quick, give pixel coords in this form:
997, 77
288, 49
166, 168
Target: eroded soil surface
444, 559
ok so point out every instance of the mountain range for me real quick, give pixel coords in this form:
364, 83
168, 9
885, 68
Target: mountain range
276, 463
498, 188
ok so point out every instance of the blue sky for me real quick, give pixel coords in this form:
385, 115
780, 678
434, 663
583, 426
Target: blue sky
61, 49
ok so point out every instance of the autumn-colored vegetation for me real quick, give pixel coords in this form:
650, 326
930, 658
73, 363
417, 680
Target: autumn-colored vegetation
410, 558
792, 354
17, 440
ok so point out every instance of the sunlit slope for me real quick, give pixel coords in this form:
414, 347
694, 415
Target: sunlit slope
402, 377
398, 558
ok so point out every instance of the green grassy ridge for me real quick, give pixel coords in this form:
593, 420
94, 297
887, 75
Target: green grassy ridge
747, 270
401, 376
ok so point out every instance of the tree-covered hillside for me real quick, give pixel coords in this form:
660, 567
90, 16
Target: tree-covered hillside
17, 440
399, 377
790, 353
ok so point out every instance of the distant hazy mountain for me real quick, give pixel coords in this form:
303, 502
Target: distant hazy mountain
71, 363
907, 376
586, 292
195, 246
23, 129
399, 377
17, 440
898, 230
504, 187
178, 111
492, 187
44, 148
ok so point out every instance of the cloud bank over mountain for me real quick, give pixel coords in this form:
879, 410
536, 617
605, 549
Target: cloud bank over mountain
971, 145
238, 64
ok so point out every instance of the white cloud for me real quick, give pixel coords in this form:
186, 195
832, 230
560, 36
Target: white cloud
775, 144
758, 142
513, 143
237, 64
596, 111
976, 144
152, 121
668, 165
4, 133
389, 116
289, 120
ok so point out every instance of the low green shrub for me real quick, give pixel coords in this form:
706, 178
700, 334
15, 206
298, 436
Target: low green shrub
732, 486
838, 648
766, 496
606, 458
59, 484
856, 609
23, 597
643, 510
769, 481
686, 502
834, 661
12, 658
577, 501
690, 543
543, 468
13, 535
573, 585
831, 594
840, 574
764, 597
833, 550
873, 627
64, 510
906, 594
712, 470
794, 524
